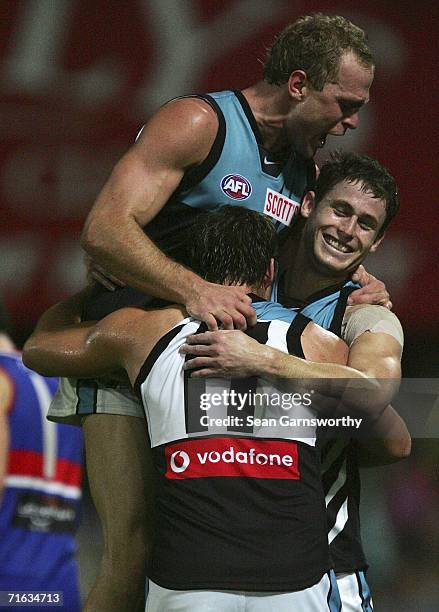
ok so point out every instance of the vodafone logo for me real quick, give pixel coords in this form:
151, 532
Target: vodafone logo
236, 186
179, 461
239, 457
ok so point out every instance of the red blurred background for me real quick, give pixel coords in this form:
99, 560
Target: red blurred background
78, 79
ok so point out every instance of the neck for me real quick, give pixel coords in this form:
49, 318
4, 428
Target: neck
261, 291
270, 105
302, 277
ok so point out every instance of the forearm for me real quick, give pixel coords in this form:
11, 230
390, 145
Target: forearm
358, 395
61, 351
56, 346
126, 251
389, 441
61, 315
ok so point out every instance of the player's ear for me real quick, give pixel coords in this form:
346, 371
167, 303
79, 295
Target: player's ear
308, 204
297, 84
376, 244
270, 273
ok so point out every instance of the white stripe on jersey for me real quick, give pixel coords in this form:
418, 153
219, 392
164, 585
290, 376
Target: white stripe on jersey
276, 335
337, 484
39, 484
50, 438
342, 519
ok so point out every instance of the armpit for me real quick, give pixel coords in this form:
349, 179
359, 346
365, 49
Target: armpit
372, 318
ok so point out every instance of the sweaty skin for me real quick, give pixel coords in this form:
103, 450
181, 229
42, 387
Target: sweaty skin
179, 137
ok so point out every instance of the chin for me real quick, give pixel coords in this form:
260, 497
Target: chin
335, 269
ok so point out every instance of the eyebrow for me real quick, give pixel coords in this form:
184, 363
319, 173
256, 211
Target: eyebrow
353, 104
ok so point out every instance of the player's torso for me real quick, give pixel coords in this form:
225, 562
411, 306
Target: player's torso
340, 473
239, 496
238, 171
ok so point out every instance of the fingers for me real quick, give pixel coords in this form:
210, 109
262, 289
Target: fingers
233, 319
250, 316
365, 295
211, 322
226, 319
196, 349
102, 280
204, 373
362, 276
197, 362
217, 305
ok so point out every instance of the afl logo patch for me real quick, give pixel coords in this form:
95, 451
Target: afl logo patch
236, 186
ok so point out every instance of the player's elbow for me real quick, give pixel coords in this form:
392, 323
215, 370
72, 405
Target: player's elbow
93, 236
399, 448
33, 356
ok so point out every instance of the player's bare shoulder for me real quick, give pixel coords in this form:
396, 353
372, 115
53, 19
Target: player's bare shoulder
133, 332
370, 318
186, 127
323, 346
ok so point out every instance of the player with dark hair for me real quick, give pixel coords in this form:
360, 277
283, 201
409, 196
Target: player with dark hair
130, 338
145, 344
40, 475
212, 258
354, 200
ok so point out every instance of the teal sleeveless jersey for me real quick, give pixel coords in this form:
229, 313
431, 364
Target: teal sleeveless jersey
242, 172
237, 171
325, 307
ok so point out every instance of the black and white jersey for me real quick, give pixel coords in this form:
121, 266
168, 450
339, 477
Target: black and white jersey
341, 484
239, 497
340, 473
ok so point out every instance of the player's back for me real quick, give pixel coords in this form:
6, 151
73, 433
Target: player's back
239, 497
40, 503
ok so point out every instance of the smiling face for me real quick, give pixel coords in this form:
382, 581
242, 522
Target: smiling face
342, 228
333, 110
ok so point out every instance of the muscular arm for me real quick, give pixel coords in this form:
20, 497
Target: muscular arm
178, 137
378, 355
233, 354
63, 346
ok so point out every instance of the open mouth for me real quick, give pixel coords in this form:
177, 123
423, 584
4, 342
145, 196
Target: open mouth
336, 244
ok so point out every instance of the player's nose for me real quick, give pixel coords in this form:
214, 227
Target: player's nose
351, 122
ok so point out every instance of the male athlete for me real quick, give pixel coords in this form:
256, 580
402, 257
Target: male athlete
40, 474
235, 245
253, 147
346, 216
208, 542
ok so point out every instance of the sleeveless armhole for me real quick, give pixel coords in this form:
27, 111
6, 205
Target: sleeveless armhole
294, 335
195, 175
337, 319
157, 350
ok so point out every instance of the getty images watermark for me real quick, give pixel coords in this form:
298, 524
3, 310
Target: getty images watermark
258, 407
244, 407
